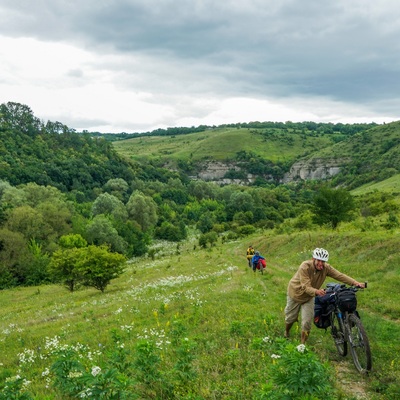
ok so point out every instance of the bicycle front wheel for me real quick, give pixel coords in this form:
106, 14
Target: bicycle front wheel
359, 344
337, 330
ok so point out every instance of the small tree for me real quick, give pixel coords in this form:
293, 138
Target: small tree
97, 266
63, 267
332, 206
209, 237
93, 266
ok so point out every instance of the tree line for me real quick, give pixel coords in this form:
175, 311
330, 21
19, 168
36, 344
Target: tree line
307, 126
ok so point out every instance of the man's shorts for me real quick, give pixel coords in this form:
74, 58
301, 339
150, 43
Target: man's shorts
306, 309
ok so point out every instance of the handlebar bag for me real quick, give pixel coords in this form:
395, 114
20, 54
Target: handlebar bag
347, 300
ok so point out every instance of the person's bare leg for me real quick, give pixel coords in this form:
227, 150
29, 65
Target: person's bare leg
287, 329
304, 336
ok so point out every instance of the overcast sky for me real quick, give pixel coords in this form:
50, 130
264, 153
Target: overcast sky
139, 65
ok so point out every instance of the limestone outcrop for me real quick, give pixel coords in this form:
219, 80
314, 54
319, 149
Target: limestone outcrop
312, 169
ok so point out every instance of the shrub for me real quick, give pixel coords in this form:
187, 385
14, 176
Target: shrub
296, 373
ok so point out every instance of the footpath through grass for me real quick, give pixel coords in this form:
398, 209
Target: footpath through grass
197, 324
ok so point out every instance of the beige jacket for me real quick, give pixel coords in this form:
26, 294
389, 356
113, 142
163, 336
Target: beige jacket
307, 280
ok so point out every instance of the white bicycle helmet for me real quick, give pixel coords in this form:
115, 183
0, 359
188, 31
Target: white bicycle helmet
320, 254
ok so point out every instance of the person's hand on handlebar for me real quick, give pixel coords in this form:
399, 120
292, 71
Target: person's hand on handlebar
320, 292
359, 284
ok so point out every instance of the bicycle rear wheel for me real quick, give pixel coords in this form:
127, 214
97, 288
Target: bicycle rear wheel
359, 345
337, 331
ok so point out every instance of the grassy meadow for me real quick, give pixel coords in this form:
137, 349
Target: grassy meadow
199, 324
212, 144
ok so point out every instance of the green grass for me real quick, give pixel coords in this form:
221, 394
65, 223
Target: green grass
211, 298
221, 144
391, 185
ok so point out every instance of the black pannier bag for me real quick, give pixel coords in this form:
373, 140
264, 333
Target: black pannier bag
323, 306
347, 300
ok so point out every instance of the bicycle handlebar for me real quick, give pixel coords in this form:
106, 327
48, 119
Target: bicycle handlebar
340, 287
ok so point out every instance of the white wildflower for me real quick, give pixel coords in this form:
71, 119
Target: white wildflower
96, 370
301, 348
74, 374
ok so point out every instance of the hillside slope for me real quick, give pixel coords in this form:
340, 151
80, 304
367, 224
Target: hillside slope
230, 318
371, 155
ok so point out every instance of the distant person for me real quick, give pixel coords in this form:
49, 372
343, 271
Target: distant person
305, 285
258, 258
250, 254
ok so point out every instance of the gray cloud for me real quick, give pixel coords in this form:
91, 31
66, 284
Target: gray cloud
260, 49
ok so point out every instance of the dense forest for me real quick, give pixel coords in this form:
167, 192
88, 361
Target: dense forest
57, 184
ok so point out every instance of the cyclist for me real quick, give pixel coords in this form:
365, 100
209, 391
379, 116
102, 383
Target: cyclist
250, 254
305, 285
256, 259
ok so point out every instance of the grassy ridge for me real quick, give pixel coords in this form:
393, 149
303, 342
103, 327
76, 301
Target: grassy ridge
219, 305
222, 144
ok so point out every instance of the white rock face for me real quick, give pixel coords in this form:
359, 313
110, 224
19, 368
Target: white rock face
314, 169
216, 170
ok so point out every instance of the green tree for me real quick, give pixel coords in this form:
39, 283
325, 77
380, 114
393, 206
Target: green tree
143, 210
93, 266
13, 252
13, 197
63, 268
35, 268
137, 240
172, 232
19, 117
202, 190
101, 231
98, 266
206, 222
209, 237
109, 204
239, 201
30, 222
57, 215
332, 206
36, 194
118, 187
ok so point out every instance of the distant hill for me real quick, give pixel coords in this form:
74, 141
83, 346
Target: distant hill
365, 154
258, 153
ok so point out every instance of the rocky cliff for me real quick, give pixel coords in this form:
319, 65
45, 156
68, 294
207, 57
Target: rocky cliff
313, 169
